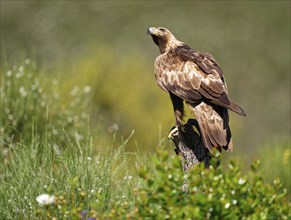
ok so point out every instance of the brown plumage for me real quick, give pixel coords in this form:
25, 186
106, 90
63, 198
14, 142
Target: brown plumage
196, 78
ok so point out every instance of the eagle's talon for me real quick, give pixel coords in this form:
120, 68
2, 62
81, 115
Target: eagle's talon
174, 132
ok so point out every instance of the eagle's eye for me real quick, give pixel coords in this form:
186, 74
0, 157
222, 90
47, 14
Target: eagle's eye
162, 29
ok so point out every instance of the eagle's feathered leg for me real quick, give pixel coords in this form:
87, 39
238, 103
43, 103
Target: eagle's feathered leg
178, 106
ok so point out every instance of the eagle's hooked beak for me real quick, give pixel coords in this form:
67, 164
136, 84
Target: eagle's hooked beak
151, 30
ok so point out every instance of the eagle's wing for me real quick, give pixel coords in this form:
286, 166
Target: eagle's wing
193, 76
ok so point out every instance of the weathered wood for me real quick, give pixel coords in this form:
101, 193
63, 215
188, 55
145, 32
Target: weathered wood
189, 145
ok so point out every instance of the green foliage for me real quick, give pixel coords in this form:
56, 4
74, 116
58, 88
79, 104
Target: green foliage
213, 194
32, 104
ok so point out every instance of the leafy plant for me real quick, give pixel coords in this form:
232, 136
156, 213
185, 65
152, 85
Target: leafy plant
213, 193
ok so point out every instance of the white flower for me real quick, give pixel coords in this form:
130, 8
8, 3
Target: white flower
241, 181
57, 149
9, 73
19, 74
22, 91
75, 91
227, 205
45, 199
195, 189
27, 61
87, 89
113, 128
234, 201
127, 177
21, 68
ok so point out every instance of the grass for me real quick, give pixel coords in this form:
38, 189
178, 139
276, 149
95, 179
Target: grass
47, 148
82, 178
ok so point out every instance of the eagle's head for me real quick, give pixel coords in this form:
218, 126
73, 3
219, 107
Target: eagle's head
163, 38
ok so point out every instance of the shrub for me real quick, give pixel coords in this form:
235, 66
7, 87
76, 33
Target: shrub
213, 193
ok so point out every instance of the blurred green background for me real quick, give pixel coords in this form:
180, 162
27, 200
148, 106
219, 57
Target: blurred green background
104, 44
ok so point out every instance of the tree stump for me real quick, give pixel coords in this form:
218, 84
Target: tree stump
189, 145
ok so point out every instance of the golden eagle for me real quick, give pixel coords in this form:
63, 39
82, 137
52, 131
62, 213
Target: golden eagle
196, 78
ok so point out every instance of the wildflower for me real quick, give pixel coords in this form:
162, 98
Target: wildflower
113, 128
227, 205
89, 158
195, 189
10, 117
57, 149
75, 91
19, 74
21, 68
234, 201
27, 61
241, 181
78, 136
9, 73
22, 91
84, 115
40, 90
127, 178
55, 132
87, 89
45, 199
